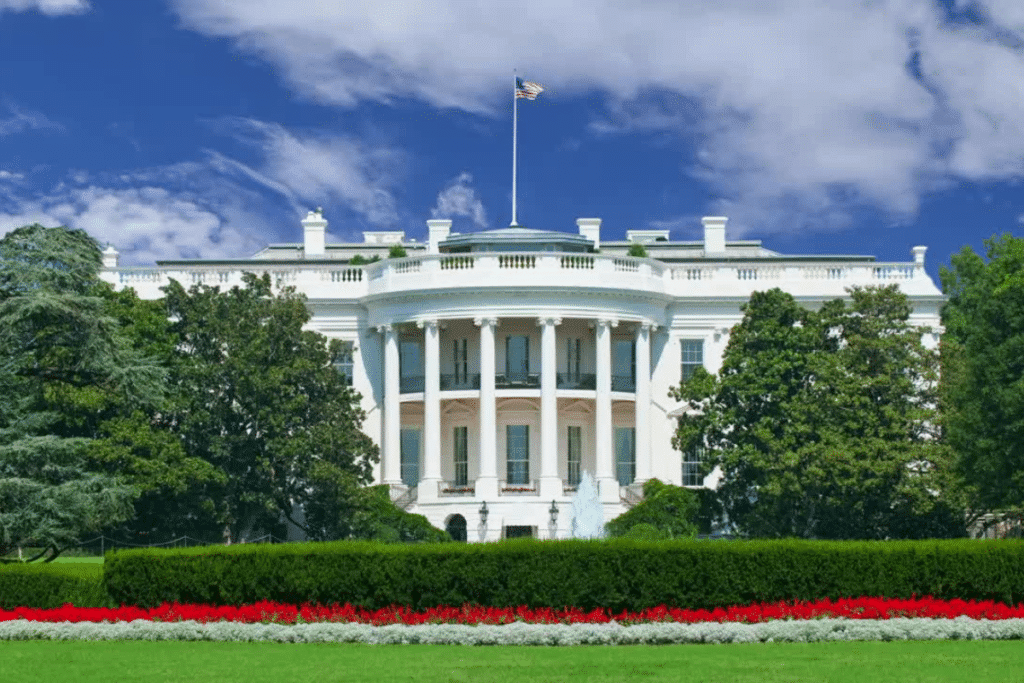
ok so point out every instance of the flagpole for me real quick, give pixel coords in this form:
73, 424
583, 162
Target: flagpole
515, 132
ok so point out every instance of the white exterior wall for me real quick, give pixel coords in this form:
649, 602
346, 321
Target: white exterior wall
693, 300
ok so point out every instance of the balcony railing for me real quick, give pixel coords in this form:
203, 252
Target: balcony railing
625, 383
585, 381
517, 380
577, 380
410, 384
460, 382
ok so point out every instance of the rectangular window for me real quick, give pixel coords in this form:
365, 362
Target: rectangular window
692, 467
625, 455
517, 359
343, 362
623, 365
573, 451
461, 361
460, 453
410, 457
572, 360
693, 356
410, 365
517, 454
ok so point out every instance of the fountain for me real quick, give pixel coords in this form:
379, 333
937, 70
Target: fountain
587, 511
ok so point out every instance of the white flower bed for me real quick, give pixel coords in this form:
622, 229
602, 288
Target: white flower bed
815, 630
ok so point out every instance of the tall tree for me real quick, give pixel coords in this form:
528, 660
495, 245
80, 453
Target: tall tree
823, 422
55, 339
257, 397
983, 370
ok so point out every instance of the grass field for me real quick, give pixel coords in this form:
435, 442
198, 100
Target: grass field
900, 662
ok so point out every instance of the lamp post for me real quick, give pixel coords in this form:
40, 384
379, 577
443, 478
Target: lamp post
553, 516
483, 521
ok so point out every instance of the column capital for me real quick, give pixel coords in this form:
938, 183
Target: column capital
427, 323
385, 328
548, 320
608, 322
648, 325
480, 321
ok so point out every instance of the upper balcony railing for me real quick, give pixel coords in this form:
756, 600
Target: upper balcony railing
503, 270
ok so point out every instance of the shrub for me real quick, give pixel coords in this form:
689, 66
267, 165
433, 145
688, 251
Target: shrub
397, 251
638, 250
668, 509
616, 574
44, 586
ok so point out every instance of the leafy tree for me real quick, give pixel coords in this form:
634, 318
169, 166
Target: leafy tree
256, 396
397, 251
824, 422
638, 250
983, 370
56, 341
666, 511
345, 510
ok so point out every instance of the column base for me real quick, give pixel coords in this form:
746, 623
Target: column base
426, 492
609, 490
550, 488
486, 488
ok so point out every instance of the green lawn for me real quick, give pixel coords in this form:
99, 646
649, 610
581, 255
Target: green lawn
79, 560
899, 662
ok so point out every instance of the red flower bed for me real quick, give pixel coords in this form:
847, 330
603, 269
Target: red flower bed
850, 608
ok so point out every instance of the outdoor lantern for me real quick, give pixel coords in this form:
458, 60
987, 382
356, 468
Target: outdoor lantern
553, 511
483, 513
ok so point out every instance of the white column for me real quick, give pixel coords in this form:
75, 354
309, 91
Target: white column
392, 456
603, 432
642, 401
431, 473
550, 482
487, 482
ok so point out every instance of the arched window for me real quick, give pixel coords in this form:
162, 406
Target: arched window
456, 528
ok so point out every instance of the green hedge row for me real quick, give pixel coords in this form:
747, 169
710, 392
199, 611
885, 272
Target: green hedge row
51, 585
619, 574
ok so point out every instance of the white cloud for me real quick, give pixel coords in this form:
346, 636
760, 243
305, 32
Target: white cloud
316, 169
801, 109
459, 199
50, 7
144, 224
21, 120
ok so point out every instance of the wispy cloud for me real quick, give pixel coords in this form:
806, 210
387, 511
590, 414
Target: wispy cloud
314, 169
460, 199
50, 7
796, 123
21, 120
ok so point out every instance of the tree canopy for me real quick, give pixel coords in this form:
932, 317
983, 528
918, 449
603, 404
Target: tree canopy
824, 422
59, 348
257, 397
983, 370
666, 511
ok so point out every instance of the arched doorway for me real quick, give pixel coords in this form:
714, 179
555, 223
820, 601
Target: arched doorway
456, 528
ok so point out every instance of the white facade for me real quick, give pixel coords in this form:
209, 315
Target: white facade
507, 362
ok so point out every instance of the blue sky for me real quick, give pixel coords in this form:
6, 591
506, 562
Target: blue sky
206, 128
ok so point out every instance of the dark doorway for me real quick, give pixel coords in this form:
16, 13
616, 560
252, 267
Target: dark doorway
456, 528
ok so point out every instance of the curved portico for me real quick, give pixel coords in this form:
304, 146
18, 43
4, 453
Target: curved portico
481, 389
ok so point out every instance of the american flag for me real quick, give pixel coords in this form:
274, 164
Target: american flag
527, 89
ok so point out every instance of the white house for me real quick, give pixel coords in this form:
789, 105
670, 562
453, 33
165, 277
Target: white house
496, 367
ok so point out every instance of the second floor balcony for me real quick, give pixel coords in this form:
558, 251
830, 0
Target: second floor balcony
582, 381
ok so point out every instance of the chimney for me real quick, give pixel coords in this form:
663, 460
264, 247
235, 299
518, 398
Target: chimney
437, 232
110, 256
313, 227
714, 235
591, 229
918, 253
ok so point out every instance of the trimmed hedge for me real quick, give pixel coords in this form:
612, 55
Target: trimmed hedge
617, 574
45, 586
